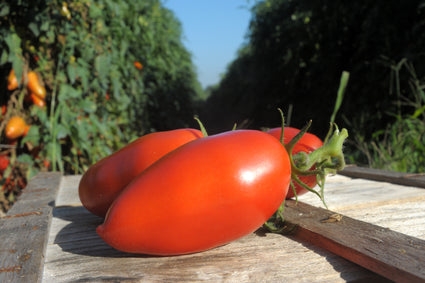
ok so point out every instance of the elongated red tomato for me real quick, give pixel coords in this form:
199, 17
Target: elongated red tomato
308, 143
202, 195
103, 181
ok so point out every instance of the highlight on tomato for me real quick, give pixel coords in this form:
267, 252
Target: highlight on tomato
201, 195
104, 181
307, 143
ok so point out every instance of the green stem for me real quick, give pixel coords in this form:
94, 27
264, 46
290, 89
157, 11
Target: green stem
201, 126
282, 126
322, 157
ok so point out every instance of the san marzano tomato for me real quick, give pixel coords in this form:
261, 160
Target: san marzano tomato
204, 194
12, 81
15, 127
34, 85
103, 181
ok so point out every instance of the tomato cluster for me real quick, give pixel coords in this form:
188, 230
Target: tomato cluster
14, 126
182, 191
36, 93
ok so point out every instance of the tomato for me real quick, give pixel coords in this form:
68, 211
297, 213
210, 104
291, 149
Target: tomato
26, 130
138, 65
204, 194
37, 100
65, 11
103, 181
308, 143
12, 81
34, 85
15, 127
4, 162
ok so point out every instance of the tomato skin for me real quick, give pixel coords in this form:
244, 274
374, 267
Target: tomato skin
15, 128
308, 143
138, 65
4, 163
12, 81
34, 85
104, 181
202, 195
37, 100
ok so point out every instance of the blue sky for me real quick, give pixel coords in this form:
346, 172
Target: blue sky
213, 31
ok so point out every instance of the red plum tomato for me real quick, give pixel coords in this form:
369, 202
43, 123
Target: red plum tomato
202, 195
104, 180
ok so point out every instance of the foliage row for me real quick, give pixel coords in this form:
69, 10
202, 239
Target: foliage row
295, 54
113, 70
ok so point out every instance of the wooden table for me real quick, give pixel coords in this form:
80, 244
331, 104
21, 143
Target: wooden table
48, 236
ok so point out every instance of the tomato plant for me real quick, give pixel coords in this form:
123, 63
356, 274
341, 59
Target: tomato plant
308, 143
104, 181
204, 194
92, 99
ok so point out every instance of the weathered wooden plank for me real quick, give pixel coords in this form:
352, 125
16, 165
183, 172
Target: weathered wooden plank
24, 230
391, 254
343, 193
68, 191
76, 253
407, 218
416, 180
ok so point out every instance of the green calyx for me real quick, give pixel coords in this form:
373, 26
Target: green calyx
328, 159
325, 160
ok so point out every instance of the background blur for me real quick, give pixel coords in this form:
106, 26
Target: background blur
114, 70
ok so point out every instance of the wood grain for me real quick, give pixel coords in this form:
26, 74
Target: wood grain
391, 254
406, 179
24, 230
75, 253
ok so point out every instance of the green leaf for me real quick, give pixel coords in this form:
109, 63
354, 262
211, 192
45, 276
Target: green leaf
33, 135
45, 26
25, 158
13, 41
102, 63
72, 73
66, 91
41, 114
82, 72
61, 131
34, 28
4, 9
87, 106
4, 56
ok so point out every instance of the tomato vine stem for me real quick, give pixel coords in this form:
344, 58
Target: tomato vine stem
201, 127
